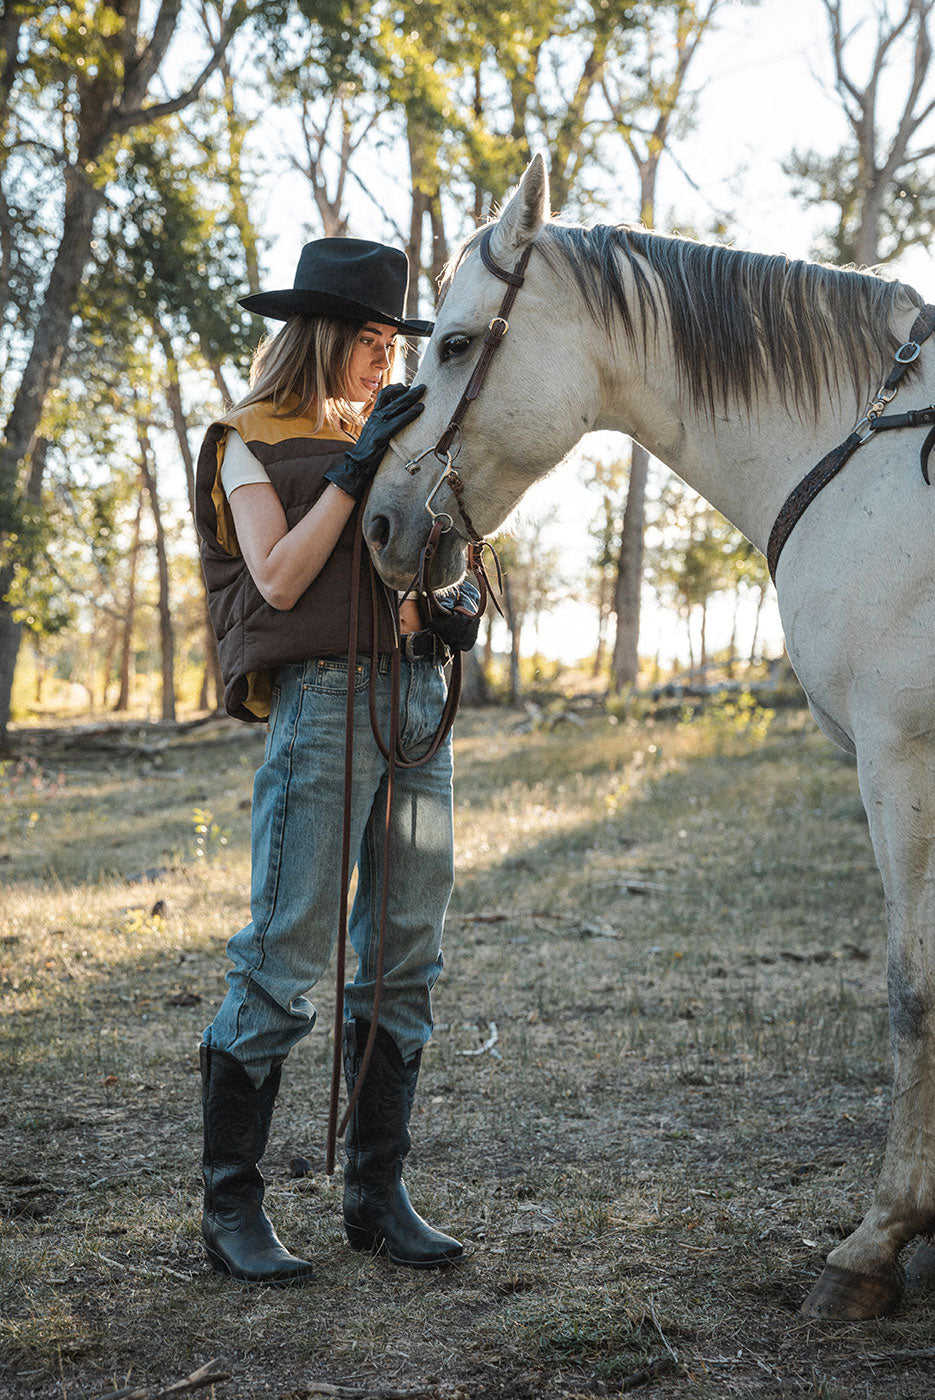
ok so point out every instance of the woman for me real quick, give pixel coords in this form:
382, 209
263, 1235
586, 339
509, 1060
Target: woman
278, 488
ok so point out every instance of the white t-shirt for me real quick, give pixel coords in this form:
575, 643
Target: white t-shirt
240, 467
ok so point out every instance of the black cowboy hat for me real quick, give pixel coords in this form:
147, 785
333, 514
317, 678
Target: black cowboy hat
348, 278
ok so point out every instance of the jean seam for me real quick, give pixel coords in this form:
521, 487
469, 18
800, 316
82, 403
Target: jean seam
407, 706
375, 888
322, 665
279, 829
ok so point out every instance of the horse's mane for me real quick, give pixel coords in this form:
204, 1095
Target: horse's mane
737, 319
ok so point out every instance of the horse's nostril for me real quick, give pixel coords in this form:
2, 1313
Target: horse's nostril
378, 532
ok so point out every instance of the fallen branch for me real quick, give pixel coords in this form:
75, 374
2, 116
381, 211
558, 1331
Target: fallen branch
662, 1336
147, 1270
350, 1392
205, 1375
120, 736
631, 886
877, 1358
485, 916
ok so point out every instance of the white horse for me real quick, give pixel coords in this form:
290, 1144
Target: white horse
740, 371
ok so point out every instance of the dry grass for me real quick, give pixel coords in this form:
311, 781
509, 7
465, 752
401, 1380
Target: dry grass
676, 928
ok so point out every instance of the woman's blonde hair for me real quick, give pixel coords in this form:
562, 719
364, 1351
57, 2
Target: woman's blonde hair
303, 372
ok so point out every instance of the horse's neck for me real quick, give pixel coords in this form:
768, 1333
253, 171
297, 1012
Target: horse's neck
745, 462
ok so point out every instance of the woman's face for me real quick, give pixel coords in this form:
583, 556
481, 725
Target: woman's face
370, 359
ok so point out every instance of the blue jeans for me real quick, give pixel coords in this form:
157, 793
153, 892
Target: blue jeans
298, 799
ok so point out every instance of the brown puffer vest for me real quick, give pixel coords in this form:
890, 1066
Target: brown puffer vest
253, 637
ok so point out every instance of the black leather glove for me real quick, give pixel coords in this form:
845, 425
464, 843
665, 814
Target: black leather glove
395, 407
458, 621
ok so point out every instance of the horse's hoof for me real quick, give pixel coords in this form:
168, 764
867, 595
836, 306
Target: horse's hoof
920, 1271
850, 1297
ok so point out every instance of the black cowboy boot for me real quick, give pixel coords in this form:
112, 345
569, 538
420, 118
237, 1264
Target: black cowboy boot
377, 1210
238, 1236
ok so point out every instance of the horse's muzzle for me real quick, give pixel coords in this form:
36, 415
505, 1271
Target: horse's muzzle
396, 539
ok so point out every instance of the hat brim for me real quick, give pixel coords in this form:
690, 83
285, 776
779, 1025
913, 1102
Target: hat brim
279, 306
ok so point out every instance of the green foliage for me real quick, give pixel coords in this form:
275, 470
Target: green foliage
692, 548
907, 217
733, 716
210, 836
167, 257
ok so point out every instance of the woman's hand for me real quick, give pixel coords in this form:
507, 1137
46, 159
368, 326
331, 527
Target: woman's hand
458, 620
395, 407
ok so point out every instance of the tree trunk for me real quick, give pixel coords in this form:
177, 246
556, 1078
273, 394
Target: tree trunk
439, 242
871, 196
126, 645
514, 623
39, 377
474, 687
51, 334
12, 19
626, 663
420, 206
732, 644
212, 682
10, 634
166, 636
173, 393
603, 618
221, 382
761, 599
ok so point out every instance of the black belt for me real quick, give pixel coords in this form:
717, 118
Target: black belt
423, 646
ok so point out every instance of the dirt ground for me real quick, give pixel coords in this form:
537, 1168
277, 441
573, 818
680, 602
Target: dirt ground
655, 1098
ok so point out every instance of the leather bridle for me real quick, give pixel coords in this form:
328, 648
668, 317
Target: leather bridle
442, 450
390, 746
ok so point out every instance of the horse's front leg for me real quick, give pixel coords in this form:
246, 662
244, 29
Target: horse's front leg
863, 1277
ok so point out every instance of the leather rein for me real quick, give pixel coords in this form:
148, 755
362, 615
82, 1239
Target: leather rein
874, 421
390, 746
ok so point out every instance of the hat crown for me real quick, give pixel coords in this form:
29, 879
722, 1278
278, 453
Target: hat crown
348, 278
364, 272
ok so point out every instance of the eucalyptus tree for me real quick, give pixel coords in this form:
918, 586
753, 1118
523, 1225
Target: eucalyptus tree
607, 470
160, 294
880, 182
77, 85
649, 104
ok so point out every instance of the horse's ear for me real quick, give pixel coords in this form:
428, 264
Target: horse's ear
525, 213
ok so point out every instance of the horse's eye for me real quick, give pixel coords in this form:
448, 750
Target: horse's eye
453, 345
